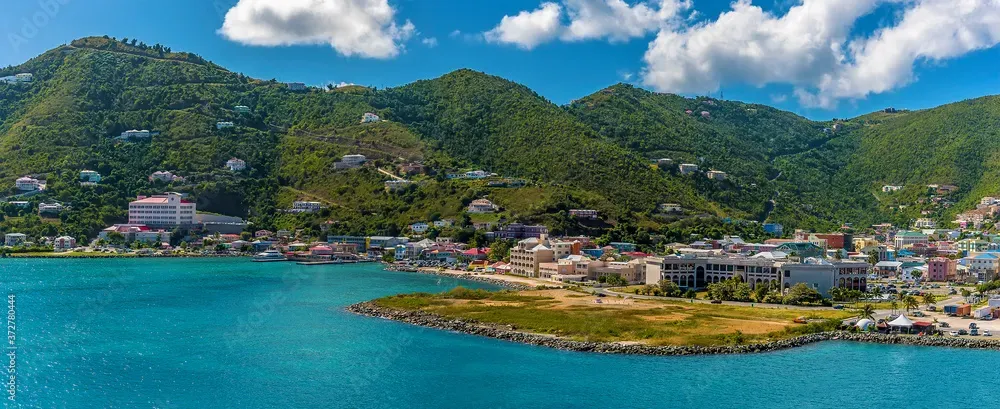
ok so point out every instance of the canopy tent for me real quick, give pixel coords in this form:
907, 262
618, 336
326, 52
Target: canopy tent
901, 323
864, 324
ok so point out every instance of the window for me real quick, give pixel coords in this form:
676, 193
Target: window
788, 274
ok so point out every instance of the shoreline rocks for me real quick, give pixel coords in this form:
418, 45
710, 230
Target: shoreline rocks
509, 333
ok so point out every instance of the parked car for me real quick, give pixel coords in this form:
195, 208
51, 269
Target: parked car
974, 332
963, 332
954, 333
932, 308
973, 325
918, 314
986, 333
944, 325
838, 307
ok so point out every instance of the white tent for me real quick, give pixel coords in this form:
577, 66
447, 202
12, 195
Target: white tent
865, 323
901, 323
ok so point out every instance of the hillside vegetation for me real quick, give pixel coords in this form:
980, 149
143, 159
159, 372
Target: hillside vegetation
596, 153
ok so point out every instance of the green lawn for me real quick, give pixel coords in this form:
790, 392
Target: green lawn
565, 314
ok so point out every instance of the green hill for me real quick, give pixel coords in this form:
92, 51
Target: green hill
596, 153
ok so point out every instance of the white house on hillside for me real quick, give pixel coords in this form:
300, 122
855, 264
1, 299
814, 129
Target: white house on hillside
236, 165
28, 184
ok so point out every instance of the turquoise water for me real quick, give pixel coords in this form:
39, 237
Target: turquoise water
234, 334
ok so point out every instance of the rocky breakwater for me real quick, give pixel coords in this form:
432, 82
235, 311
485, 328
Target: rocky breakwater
510, 333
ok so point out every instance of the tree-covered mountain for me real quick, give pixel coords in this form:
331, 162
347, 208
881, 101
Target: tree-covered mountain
596, 153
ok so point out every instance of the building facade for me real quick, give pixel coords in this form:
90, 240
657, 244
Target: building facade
942, 269
168, 210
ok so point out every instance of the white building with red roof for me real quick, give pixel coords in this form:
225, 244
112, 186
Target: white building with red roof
167, 210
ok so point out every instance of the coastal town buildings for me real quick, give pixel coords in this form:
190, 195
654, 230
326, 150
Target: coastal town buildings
983, 266
168, 210
63, 243
692, 272
942, 269
236, 165
14, 239
906, 239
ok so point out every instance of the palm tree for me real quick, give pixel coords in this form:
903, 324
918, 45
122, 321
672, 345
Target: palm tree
867, 311
930, 299
894, 305
910, 302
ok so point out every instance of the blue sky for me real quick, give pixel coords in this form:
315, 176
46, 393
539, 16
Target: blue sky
915, 54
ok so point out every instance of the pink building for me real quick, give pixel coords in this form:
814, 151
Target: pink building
941, 269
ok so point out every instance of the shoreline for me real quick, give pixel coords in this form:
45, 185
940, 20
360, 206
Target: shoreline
507, 284
509, 333
112, 256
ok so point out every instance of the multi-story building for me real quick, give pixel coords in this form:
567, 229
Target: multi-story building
50, 208
983, 266
481, 206
905, 239
165, 176
716, 175
167, 210
942, 269
396, 185
90, 176
528, 254
359, 242
27, 183
300, 206
236, 165
584, 214
64, 243
136, 134
925, 223
823, 275
688, 168
420, 228
14, 239
521, 231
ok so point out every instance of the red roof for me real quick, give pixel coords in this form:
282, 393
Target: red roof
476, 252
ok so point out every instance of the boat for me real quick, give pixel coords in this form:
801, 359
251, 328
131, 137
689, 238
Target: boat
270, 255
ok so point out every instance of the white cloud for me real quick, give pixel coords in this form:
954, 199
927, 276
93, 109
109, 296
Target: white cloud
577, 20
811, 47
616, 20
430, 42
528, 29
364, 28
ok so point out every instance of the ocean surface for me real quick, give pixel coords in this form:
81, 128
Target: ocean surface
228, 333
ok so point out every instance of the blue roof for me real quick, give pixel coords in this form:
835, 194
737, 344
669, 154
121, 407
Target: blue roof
986, 255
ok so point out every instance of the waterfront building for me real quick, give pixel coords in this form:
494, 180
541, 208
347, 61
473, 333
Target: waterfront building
693, 272
167, 210
63, 243
822, 275
236, 165
90, 176
15, 239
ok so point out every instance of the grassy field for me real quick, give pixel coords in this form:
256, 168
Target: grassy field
567, 314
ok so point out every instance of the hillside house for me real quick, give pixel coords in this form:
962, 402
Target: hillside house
224, 125
90, 176
296, 86
369, 117
236, 165
50, 208
891, 188
716, 175
688, 168
242, 109
583, 214
350, 162
27, 184
482, 206
135, 134
396, 185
